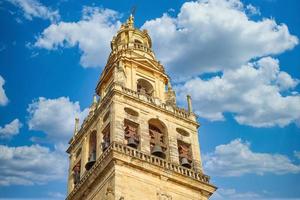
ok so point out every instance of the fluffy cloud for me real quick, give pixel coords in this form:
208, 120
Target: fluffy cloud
232, 194
28, 165
33, 8
3, 97
297, 154
11, 129
94, 45
253, 93
213, 35
55, 117
237, 159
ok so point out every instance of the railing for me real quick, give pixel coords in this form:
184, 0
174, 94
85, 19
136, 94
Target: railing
133, 45
134, 153
149, 99
121, 148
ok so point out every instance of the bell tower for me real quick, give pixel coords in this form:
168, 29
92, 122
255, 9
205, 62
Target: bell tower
136, 143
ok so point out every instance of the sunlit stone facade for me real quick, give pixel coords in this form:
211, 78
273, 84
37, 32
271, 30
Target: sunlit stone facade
136, 144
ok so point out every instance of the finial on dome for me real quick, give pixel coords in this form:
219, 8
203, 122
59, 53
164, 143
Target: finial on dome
130, 20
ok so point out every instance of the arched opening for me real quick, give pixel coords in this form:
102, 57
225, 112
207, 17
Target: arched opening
106, 137
131, 133
158, 138
76, 173
144, 87
131, 112
185, 154
137, 41
182, 132
106, 116
92, 150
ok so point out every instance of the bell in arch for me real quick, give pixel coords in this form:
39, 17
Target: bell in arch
132, 142
185, 162
92, 160
158, 151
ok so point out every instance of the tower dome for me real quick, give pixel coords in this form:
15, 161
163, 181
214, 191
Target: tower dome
129, 37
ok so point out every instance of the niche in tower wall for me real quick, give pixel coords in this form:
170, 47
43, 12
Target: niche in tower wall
185, 154
131, 133
92, 150
106, 137
76, 173
157, 142
144, 87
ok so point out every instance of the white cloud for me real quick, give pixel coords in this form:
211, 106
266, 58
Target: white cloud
3, 97
11, 129
252, 93
28, 165
237, 159
232, 194
214, 35
55, 117
33, 8
252, 10
92, 34
297, 154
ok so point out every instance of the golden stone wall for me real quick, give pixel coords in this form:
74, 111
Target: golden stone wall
134, 89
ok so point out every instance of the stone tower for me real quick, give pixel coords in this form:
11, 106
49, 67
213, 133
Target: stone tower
136, 144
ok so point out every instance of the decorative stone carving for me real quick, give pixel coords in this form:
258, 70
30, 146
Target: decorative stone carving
163, 196
109, 195
170, 96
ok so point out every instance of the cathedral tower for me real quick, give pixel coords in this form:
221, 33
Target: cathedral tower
136, 144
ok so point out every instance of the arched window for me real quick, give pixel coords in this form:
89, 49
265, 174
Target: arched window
106, 137
131, 133
76, 173
137, 41
144, 87
158, 141
182, 132
185, 154
92, 150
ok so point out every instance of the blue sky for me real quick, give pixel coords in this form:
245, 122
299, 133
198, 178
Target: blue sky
238, 59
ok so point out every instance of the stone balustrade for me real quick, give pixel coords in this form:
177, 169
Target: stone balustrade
156, 102
133, 45
134, 153
121, 148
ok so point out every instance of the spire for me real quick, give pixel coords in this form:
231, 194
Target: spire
76, 129
130, 21
94, 104
169, 86
189, 101
94, 99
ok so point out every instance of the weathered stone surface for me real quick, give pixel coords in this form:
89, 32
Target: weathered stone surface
132, 88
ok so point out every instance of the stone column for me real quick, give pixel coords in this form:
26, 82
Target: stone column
173, 149
84, 154
119, 122
144, 133
196, 151
70, 178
